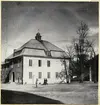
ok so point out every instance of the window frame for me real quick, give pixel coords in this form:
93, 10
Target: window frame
39, 75
48, 63
30, 62
39, 63
12, 65
30, 75
48, 75
56, 74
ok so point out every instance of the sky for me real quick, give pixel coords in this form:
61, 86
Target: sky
57, 23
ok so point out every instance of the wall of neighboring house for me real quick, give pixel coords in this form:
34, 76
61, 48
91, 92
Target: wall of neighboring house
31, 71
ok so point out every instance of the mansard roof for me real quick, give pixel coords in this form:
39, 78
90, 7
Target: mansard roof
38, 48
35, 44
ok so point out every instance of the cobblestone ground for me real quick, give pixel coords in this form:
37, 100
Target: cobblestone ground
75, 93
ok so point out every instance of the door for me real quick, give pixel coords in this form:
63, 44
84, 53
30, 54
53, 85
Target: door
13, 77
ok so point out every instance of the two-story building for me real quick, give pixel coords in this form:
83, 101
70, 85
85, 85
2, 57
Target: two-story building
36, 59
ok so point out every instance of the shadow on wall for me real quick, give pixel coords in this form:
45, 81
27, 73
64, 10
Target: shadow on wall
15, 97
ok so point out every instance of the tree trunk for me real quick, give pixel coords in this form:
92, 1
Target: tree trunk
95, 73
65, 69
68, 79
81, 68
90, 74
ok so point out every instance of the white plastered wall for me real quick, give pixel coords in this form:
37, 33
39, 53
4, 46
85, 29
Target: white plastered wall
55, 66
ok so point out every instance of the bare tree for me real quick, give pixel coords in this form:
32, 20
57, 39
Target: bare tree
66, 73
70, 51
82, 47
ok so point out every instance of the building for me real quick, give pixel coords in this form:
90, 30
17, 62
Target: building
36, 59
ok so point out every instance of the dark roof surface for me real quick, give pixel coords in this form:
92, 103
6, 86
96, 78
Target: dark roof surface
45, 45
38, 48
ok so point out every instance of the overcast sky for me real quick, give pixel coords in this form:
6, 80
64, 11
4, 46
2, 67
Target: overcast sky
57, 22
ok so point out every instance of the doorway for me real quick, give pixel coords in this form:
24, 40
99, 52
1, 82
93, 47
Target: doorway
13, 77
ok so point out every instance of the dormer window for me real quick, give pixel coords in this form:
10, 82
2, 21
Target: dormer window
48, 53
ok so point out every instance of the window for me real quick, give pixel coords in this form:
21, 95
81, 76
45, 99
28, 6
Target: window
57, 74
48, 53
48, 74
12, 66
30, 75
18, 64
30, 62
48, 63
39, 63
40, 75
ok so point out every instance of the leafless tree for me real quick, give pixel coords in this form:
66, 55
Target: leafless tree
66, 73
82, 47
70, 51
